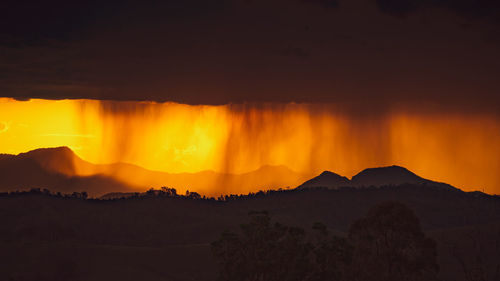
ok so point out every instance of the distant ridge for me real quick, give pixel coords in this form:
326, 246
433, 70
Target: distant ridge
53, 169
371, 177
61, 159
60, 169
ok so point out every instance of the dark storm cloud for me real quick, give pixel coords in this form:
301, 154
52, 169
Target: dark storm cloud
232, 51
294, 52
324, 3
399, 7
29, 22
471, 9
33, 22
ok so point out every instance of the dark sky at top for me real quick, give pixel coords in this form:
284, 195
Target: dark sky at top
223, 51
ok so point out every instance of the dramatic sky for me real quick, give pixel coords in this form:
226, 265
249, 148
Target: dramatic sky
442, 52
234, 85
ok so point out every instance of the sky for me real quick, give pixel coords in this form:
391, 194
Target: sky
373, 53
247, 83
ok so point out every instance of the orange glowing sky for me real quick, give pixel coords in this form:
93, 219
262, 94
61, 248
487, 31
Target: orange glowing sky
459, 149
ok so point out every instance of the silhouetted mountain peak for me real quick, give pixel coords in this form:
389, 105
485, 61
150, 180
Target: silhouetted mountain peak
326, 179
376, 177
388, 169
390, 175
53, 168
329, 174
50, 152
60, 159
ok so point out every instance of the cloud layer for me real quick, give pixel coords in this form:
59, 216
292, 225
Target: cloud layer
232, 51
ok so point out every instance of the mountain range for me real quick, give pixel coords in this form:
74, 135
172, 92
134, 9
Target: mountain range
61, 170
371, 177
169, 237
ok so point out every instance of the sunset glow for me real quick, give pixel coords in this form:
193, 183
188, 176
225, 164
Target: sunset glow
460, 149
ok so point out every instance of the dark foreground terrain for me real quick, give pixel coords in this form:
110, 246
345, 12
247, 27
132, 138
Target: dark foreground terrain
154, 237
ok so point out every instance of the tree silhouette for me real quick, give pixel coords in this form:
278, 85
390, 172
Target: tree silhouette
389, 245
481, 261
266, 251
169, 192
263, 252
386, 245
332, 255
192, 195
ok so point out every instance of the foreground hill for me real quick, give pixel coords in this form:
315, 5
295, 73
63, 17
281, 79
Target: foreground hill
152, 238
